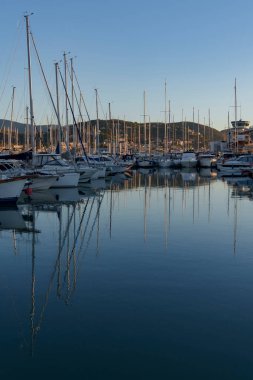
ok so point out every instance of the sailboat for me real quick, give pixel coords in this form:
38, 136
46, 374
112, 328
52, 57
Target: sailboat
53, 164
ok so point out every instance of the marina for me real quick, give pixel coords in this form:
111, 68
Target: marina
126, 189
140, 276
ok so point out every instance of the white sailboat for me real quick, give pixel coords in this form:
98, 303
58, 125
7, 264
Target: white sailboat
68, 176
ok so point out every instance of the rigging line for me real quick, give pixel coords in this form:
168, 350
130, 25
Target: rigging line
50, 94
66, 231
77, 102
72, 287
9, 66
40, 319
87, 223
4, 119
74, 119
46, 102
82, 239
92, 228
86, 226
76, 237
101, 106
82, 98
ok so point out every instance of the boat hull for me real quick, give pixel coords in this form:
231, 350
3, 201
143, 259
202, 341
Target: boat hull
67, 180
10, 189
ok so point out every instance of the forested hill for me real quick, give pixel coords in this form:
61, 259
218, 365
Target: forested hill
177, 130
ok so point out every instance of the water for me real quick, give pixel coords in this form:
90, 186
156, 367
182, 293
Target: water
141, 278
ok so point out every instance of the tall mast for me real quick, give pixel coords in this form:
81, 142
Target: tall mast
27, 129
229, 133
30, 83
144, 121
11, 126
198, 130
209, 124
110, 126
165, 117
204, 134
66, 98
236, 138
72, 102
97, 124
58, 133
193, 121
125, 136
169, 134
149, 137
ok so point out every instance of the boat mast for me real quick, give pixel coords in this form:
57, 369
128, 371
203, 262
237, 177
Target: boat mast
125, 136
236, 138
30, 83
144, 122
27, 129
229, 133
58, 133
193, 121
169, 127
149, 137
66, 98
72, 104
165, 117
198, 130
204, 134
209, 124
11, 126
97, 125
110, 129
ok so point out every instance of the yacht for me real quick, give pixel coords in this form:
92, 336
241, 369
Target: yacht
236, 166
35, 181
188, 160
68, 176
206, 160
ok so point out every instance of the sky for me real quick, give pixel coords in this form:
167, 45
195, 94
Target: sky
126, 48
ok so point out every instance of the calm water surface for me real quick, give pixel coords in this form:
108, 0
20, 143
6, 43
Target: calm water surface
149, 277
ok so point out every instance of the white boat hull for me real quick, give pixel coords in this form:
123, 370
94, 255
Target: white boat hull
67, 180
41, 182
11, 188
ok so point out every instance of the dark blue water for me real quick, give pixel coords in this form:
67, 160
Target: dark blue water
144, 278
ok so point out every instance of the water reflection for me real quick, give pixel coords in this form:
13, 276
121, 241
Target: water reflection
148, 218
71, 215
15, 218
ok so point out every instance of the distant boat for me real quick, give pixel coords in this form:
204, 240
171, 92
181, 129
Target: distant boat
236, 166
24, 156
206, 160
188, 160
145, 162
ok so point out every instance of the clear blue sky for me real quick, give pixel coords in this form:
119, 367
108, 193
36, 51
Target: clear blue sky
125, 47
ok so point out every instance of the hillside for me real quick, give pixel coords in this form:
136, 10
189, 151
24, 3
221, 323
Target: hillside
176, 131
